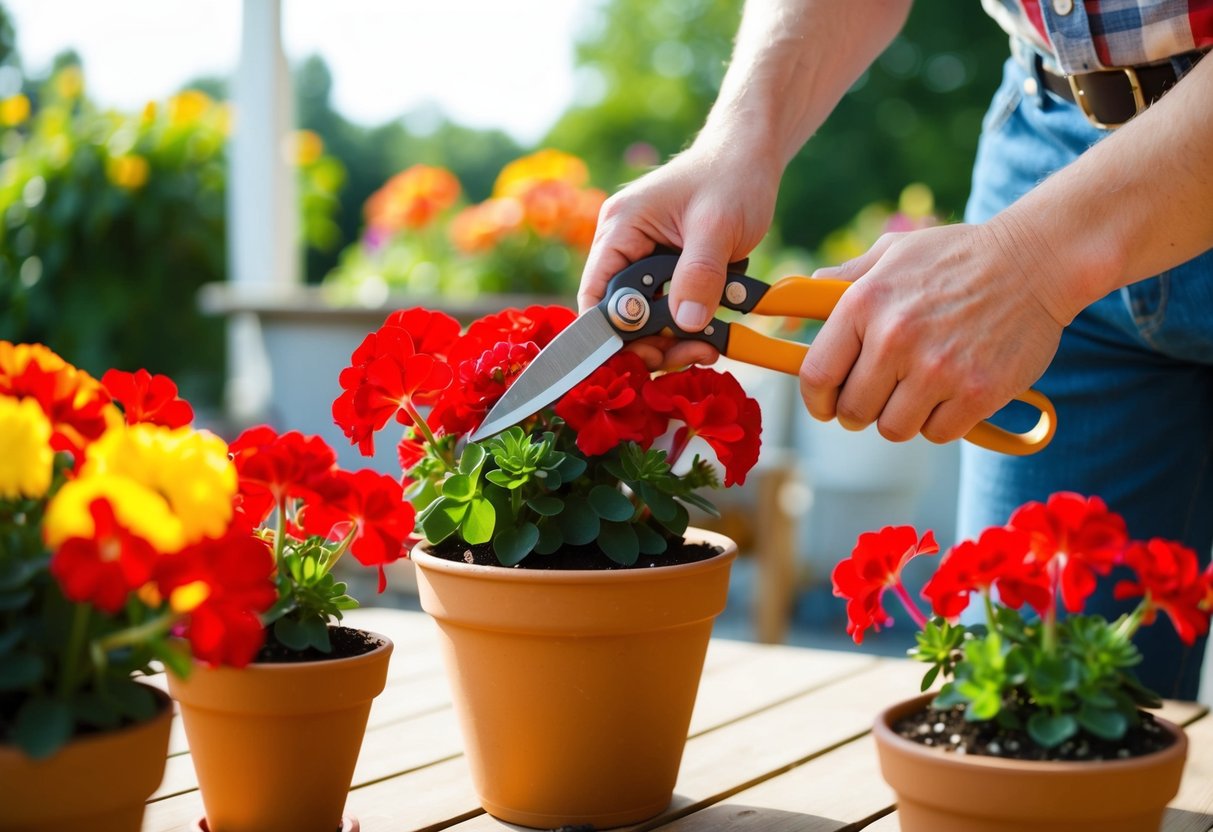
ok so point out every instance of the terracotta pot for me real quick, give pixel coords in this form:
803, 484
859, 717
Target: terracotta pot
943, 792
275, 745
574, 688
98, 783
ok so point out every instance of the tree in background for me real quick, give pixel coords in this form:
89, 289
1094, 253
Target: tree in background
649, 70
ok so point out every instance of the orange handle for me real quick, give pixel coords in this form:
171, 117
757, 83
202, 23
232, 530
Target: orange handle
801, 297
750, 347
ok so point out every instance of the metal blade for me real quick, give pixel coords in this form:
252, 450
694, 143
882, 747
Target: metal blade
572, 355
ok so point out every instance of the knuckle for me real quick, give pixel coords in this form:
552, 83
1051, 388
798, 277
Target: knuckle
893, 431
850, 414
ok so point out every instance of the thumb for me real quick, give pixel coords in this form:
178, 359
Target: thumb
698, 282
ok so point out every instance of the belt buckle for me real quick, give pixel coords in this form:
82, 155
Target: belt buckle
1080, 97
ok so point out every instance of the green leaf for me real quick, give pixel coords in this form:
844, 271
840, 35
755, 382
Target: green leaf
619, 543
678, 525
550, 539
92, 709
546, 505
176, 658
317, 633
610, 504
571, 467
1108, 723
132, 699
929, 678
442, 519
704, 505
501, 478
1050, 730
650, 542
20, 670
578, 521
11, 637
15, 600
512, 545
292, 634
663, 506
460, 487
949, 697
42, 726
479, 521
471, 460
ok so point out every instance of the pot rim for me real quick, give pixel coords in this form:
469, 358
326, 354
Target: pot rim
385, 643
883, 733
424, 559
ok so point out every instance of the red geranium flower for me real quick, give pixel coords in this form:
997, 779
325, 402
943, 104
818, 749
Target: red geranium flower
371, 505
103, 569
875, 565
712, 405
433, 333
999, 557
273, 469
1168, 576
387, 378
148, 398
608, 408
1076, 538
221, 585
481, 382
537, 324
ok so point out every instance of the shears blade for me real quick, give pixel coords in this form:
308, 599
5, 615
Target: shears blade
577, 351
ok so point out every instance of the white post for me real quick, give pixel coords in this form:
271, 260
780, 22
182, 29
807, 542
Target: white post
262, 209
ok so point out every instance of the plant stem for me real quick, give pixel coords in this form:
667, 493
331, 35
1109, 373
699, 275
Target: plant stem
330, 560
280, 533
899, 590
75, 641
426, 433
1049, 634
134, 635
989, 602
1132, 622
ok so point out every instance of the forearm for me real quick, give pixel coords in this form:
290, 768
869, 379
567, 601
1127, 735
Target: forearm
792, 62
1137, 203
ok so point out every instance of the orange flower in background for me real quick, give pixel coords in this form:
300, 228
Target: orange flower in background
129, 172
412, 198
547, 165
478, 228
582, 221
307, 147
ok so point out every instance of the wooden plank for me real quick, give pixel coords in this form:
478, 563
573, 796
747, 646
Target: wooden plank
747, 751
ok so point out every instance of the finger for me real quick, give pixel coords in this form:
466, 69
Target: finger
857, 267
699, 280
685, 353
651, 350
906, 411
865, 392
951, 420
827, 365
618, 244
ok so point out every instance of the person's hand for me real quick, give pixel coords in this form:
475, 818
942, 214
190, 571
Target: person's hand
942, 328
713, 204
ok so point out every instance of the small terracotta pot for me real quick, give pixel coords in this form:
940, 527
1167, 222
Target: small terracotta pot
938, 791
574, 688
275, 745
97, 783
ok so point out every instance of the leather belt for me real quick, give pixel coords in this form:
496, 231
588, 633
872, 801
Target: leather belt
1111, 97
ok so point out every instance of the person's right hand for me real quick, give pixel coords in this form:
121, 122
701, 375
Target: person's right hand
714, 203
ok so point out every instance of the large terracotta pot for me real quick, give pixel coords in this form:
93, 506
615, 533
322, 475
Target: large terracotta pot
97, 783
938, 791
574, 688
275, 745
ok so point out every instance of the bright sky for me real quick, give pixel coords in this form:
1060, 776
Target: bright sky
486, 63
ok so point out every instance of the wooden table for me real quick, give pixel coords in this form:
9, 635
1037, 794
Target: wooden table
778, 741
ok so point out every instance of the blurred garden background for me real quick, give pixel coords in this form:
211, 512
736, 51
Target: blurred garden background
513, 125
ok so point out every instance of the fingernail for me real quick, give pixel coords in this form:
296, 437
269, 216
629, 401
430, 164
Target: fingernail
691, 316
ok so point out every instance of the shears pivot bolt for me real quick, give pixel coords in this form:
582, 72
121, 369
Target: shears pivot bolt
628, 310
735, 292
647, 280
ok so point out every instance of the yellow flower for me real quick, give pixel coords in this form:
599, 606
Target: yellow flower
916, 201
69, 83
149, 113
14, 110
129, 172
307, 147
26, 458
187, 467
543, 166
187, 107
137, 508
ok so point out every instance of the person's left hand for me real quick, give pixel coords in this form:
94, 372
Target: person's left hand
943, 327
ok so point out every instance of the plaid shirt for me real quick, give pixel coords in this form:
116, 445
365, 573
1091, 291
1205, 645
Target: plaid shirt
1086, 35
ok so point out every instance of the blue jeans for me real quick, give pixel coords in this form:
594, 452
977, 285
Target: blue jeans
1132, 382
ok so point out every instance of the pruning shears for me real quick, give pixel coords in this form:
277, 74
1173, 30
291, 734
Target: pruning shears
635, 306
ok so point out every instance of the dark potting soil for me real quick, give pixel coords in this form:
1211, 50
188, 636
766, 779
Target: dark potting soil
574, 557
347, 643
949, 730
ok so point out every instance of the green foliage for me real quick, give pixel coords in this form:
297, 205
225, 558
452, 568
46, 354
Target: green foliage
650, 70
1003, 670
537, 493
309, 597
110, 222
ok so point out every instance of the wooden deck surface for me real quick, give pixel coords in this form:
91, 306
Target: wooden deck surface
778, 741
